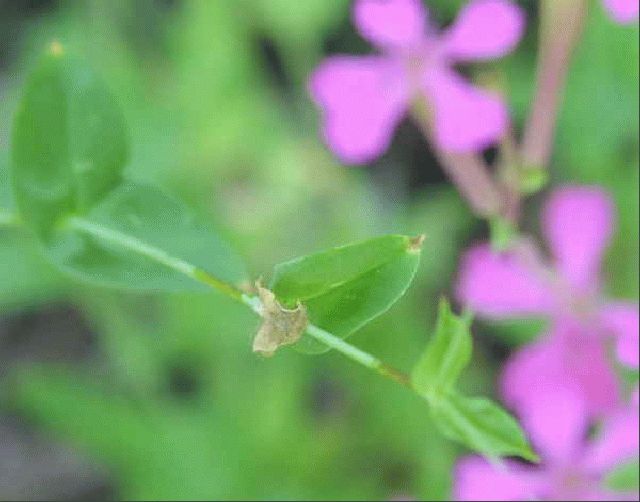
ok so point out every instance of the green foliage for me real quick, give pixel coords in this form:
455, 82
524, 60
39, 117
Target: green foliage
209, 121
345, 287
136, 237
481, 425
159, 452
296, 21
624, 478
69, 142
446, 355
69, 149
7, 204
26, 277
475, 422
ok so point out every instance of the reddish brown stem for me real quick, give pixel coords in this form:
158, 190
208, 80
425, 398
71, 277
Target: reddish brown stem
560, 29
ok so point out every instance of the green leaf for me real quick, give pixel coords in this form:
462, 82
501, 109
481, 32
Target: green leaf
141, 238
624, 477
69, 142
26, 277
7, 205
69, 149
477, 423
345, 287
446, 355
481, 425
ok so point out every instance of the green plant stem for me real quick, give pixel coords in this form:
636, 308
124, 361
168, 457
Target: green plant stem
153, 253
253, 302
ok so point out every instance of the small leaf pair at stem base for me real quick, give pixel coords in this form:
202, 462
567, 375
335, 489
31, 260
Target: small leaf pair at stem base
477, 423
69, 148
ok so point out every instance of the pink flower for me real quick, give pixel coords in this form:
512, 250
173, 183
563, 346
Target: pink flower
567, 359
572, 467
577, 223
622, 11
364, 97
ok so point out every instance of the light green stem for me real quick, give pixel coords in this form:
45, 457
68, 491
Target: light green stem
159, 256
153, 253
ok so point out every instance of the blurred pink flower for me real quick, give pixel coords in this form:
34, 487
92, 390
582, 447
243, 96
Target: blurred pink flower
364, 97
572, 467
577, 223
623, 11
566, 359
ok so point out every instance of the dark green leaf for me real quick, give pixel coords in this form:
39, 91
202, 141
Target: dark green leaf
69, 142
345, 287
481, 425
446, 355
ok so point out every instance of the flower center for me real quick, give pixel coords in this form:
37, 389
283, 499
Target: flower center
419, 60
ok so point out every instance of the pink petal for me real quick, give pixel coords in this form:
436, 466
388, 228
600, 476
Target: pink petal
557, 424
568, 360
466, 118
577, 222
622, 319
485, 29
623, 11
391, 23
500, 285
363, 98
477, 479
618, 442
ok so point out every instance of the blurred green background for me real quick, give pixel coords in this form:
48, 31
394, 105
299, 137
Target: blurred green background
107, 394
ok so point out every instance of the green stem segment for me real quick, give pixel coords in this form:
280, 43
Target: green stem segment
153, 253
159, 256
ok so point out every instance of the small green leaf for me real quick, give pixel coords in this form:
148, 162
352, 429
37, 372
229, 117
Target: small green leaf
446, 355
141, 238
481, 425
624, 477
69, 142
345, 287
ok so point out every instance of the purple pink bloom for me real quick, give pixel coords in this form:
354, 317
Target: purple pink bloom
561, 383
364, 97
622, 11
577, 223
572, 466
